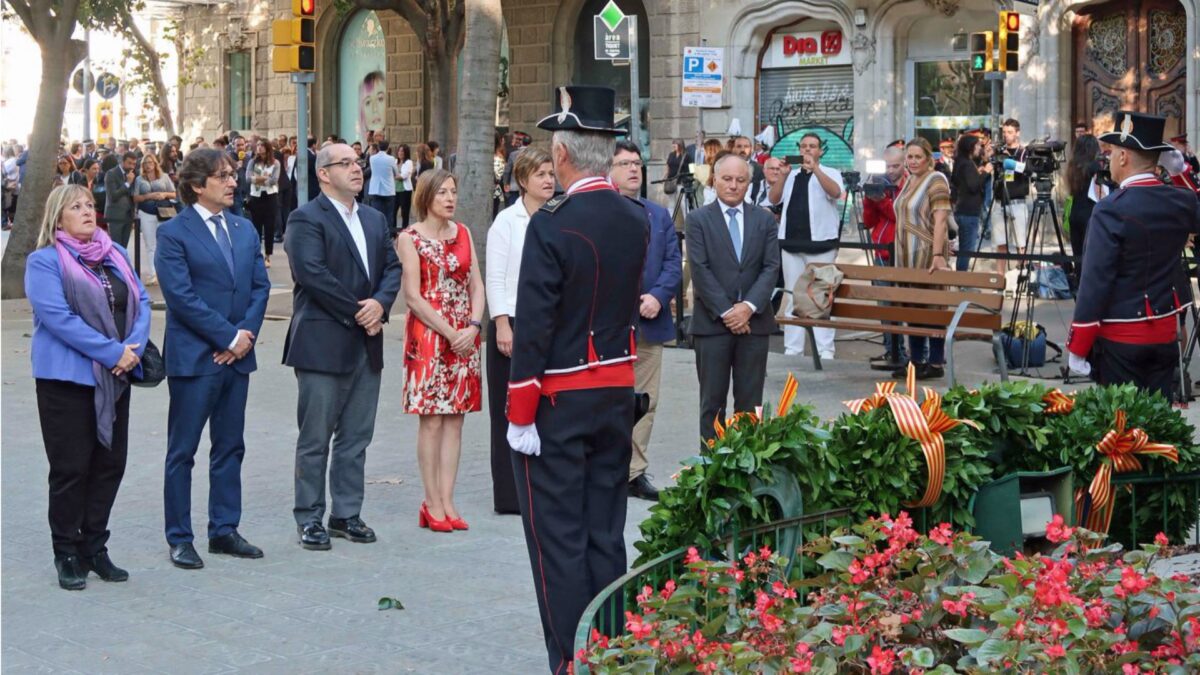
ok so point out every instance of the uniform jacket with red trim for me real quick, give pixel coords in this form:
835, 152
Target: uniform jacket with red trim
1132, 269
579, 289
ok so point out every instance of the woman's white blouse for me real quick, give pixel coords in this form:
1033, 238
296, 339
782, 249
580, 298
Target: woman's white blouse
505, 240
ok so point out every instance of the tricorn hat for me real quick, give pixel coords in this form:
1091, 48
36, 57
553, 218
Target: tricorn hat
583, 108
1137, 131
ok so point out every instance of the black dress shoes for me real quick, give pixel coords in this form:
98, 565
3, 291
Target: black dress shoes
104, 568
353, 529
185, 557
72, 575
642, 488
233, 544
314, 537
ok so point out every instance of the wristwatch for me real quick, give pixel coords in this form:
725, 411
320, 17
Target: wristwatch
475, 323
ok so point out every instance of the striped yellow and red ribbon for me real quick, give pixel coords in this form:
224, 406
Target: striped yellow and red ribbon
924, 423
790, 386
1120, 448
1058, 403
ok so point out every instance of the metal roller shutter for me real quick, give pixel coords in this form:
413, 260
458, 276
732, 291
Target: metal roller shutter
798, 100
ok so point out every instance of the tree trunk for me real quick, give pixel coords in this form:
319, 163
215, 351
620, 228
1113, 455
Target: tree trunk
477, 117
146, 53
58, 60
442, 104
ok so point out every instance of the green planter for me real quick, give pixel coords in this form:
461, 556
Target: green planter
998, 507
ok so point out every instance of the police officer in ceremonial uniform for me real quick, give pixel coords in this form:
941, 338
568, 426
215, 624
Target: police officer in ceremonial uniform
570, 396
1132, 290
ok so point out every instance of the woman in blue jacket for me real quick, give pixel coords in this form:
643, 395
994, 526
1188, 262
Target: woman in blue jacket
91, 322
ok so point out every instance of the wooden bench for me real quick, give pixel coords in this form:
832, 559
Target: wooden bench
921, 307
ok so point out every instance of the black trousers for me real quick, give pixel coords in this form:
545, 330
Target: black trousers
573, 498
720, 358
1150, 367
84, 475
264, 211
504, 488
404, 203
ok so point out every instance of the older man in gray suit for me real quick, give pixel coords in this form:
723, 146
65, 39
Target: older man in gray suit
118, 203
733, 248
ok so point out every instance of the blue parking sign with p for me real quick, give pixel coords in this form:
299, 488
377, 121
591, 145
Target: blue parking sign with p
693, 64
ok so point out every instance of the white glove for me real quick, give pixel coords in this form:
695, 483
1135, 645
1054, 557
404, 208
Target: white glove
1172, 161
1077, 364
524, 439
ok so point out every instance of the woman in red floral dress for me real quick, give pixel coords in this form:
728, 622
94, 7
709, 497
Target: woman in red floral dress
445, 296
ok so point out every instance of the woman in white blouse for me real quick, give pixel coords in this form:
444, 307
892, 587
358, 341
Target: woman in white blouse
534, 173
404, 184
263, 173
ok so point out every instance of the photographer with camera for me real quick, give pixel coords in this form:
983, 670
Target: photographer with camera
970, 174
879, 218
808, 231
1012, 191
1132, 285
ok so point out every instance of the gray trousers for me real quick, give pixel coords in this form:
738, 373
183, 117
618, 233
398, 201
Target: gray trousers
119, 232
340, 408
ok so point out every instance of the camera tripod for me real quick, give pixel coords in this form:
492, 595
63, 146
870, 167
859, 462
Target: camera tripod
1026, 290
685, 202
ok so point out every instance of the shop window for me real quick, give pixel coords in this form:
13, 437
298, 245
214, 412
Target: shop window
240, 77
949, 98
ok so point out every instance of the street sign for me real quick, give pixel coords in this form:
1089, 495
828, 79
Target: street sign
611, 34
78, 82
703, 76
107, 85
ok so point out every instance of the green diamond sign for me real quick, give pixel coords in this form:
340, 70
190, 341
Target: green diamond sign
611, 15
611, 34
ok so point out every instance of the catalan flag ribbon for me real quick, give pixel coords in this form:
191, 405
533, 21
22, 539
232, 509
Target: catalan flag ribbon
924, 423
1120, 449
789, 394
1058, 403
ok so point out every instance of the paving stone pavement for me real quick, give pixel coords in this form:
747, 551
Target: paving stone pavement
468, 597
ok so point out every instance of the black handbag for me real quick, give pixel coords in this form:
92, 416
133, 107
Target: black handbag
154, 369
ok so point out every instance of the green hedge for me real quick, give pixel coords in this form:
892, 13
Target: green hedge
863, 463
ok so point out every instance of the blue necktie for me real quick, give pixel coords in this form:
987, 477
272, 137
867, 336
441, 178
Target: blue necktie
734, 233
223, 241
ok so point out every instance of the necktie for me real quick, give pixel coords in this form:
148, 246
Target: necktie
223, 241
734, 233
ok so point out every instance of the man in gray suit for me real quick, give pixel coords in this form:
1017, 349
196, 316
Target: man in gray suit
118, 204
346, 276
733, 248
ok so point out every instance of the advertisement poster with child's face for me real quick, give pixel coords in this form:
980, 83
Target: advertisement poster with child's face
362, 98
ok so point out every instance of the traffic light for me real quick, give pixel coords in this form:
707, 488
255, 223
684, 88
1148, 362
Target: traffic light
295, 51
1010, 42
981, 52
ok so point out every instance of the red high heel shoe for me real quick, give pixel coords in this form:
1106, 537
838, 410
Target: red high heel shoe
458, 523
426, 520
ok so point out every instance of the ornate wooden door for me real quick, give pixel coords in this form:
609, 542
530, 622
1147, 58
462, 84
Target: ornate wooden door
1130, 54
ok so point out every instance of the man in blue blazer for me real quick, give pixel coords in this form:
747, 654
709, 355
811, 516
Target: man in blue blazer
213, 279
661, 274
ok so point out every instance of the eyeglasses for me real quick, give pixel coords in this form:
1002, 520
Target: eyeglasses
345, 164
628, 163
224, 175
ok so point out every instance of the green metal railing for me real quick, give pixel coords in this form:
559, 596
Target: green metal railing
606, 612
1126, 486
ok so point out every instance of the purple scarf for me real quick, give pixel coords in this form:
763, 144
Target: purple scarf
86, 297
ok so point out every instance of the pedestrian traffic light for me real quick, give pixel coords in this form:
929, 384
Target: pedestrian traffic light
1009, 38
981, 52
294, 39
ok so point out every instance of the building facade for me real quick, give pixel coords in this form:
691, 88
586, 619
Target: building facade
860, 73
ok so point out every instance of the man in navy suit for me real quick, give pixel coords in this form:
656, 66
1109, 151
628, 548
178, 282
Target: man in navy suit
215, 285
661, 274
346, 276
